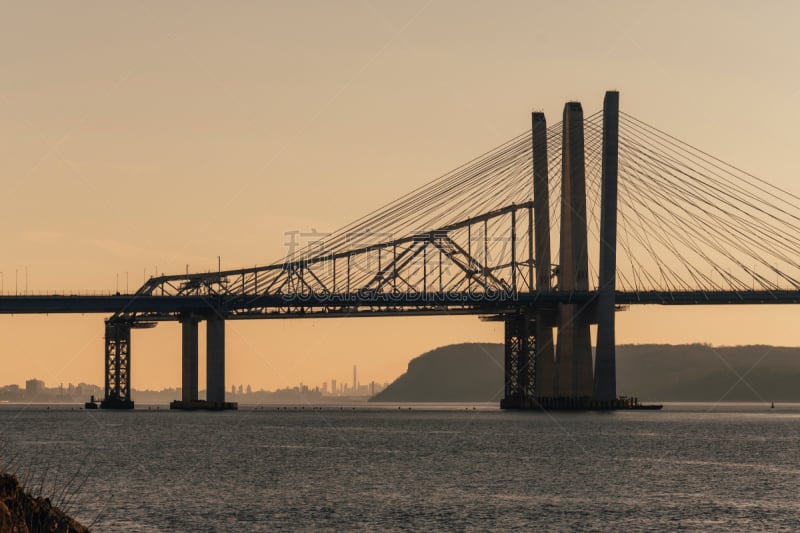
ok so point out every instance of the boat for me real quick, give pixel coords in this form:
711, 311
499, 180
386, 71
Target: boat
91, 404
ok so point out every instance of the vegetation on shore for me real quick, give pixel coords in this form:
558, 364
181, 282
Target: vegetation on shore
21, 512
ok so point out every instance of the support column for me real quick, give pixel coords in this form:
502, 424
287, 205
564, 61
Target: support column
545, 358
605, 378
574, 350
189, 357
117, 366
215, 365
520, 363
215, 360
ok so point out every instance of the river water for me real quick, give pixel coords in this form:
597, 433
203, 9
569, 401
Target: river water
690, 467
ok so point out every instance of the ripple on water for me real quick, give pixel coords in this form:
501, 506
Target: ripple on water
684, 468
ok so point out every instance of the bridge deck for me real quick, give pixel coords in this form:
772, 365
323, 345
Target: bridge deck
343, 304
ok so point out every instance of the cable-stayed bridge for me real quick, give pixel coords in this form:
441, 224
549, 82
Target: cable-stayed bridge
556, 229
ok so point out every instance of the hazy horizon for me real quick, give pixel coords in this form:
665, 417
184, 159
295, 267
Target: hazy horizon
320, 385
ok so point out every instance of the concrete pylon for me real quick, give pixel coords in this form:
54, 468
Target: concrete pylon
574, 350
545, 356
189, 357
605, 378
215, 360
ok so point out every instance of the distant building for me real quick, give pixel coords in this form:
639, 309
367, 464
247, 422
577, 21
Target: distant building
34, 387
87, 389
333, 387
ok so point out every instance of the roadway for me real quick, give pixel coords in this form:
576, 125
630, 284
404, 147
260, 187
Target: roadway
244, 306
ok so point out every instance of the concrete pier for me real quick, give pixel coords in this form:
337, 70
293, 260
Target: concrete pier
215, 360
215, 366
605, 378
189, 357
545, 357
574, 350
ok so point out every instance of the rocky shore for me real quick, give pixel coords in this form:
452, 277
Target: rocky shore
20, 512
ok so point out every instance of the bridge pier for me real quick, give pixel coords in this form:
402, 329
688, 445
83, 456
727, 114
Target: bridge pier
215, 360
520, 362
189, 358
215, 365
117, 366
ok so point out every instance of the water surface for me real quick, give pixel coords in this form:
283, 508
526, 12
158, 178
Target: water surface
421, 467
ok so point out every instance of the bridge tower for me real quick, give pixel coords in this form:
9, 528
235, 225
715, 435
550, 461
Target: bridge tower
545, 357
529, 359
574, 349
605, 380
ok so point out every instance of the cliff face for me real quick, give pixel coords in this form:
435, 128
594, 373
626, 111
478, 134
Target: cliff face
22, 513
657, 372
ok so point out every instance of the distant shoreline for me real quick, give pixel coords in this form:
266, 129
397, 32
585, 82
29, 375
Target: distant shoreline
383, 406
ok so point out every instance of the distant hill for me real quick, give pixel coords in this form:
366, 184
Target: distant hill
651, 372
457, 373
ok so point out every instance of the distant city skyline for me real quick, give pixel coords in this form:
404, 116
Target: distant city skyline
34, 386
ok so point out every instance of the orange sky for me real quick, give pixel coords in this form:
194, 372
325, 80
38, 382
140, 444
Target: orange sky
146, 136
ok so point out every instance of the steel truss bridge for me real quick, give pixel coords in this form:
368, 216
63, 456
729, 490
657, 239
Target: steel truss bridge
639, 218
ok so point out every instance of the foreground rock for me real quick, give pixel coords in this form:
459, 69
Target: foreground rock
22, 513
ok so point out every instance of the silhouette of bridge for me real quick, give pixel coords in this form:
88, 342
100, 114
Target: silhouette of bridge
669, 224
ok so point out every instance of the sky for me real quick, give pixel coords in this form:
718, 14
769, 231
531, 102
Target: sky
150, 137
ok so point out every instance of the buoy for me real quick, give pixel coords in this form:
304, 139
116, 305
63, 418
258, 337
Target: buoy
772, 406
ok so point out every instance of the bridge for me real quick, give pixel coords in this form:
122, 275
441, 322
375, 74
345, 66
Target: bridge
669, 225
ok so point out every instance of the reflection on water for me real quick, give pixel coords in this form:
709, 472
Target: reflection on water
430, 467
